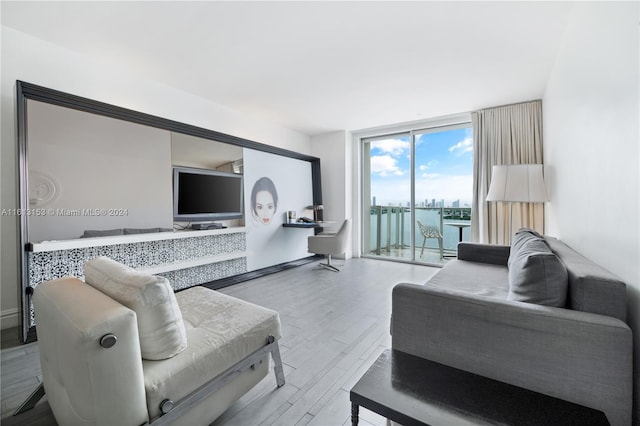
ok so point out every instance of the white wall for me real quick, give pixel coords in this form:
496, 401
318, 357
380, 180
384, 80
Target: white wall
591, 139
36, 61
335, 153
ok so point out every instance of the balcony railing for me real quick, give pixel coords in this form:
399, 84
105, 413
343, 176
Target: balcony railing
390, 229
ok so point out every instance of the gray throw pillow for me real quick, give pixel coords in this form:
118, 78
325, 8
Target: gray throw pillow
522, 236
91, 233
536, 275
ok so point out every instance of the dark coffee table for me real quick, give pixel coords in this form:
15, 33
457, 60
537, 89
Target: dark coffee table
414, 391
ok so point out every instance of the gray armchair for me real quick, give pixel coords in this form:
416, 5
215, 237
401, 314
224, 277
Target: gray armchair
329, 244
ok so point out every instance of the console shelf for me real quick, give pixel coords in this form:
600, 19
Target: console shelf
127, 239
186, 258
154, 270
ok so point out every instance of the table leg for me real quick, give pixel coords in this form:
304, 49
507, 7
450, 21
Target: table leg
354, 414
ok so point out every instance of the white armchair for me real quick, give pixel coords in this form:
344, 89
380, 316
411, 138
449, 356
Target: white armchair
328, 244
206, 349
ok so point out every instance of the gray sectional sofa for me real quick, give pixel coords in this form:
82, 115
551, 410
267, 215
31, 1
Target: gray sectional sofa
536, 315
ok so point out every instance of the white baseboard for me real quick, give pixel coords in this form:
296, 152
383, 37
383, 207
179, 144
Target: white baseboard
9, 318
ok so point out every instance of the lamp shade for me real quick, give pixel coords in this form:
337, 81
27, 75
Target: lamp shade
517, 183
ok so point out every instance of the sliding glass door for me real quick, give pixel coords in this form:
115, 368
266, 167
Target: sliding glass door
417, 190
387, 196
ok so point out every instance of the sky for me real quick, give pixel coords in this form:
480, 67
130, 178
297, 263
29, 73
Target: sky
444, 168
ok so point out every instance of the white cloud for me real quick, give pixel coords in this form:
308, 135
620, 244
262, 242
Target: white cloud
394, 147
431, 175
465, 145
385, 165
429, 165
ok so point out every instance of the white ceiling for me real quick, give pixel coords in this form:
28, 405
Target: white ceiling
319, 66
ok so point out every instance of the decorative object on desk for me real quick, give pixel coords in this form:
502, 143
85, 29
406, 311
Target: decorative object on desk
264, 200
291, 216
517, 183
316, 208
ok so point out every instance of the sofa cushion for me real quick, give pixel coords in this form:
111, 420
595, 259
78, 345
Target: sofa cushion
473, 277
536, 275
160, 325
221, 330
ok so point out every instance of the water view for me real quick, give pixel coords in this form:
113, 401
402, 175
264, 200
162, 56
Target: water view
429, 169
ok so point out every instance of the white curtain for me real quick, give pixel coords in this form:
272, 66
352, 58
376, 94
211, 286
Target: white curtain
510, 134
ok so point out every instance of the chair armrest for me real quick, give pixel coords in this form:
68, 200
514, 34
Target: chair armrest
577, 356
484, 253
84, 382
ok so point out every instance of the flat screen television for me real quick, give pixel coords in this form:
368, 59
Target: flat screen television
206, 195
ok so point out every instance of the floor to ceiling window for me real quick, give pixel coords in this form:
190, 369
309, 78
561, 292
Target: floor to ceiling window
417, 190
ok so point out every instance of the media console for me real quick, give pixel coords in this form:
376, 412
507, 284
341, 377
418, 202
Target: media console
186, 258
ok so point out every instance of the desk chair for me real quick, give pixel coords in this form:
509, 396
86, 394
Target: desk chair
328, 244
429, 231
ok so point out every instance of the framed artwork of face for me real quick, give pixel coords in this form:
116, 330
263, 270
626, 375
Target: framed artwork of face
264, 200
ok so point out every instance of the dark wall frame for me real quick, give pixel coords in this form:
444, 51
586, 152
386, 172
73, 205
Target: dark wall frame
28, 91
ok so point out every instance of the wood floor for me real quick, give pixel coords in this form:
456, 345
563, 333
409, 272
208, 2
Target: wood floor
334, 326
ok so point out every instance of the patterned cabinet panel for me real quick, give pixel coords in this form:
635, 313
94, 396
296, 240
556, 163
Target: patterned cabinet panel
172, 254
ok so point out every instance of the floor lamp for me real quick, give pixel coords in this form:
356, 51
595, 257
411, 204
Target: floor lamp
517, 183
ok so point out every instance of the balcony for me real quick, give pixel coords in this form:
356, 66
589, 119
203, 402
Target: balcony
390, 233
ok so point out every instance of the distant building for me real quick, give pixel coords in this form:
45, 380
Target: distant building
374, 201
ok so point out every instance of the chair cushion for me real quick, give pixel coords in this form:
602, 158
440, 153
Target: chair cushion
221, 330
160, 325
536, 275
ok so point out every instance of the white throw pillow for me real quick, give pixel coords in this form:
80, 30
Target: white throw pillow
160, 325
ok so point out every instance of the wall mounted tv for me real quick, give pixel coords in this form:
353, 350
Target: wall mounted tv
205, 195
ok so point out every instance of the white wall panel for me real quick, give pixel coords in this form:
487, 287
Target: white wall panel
268, 242
591, 145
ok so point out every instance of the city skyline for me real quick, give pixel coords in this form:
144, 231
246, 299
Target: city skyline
433, 203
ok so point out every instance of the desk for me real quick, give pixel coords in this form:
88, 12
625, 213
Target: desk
415, 391
460, 227
320, 224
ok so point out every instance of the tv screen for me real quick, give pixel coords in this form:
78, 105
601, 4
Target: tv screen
206, 195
